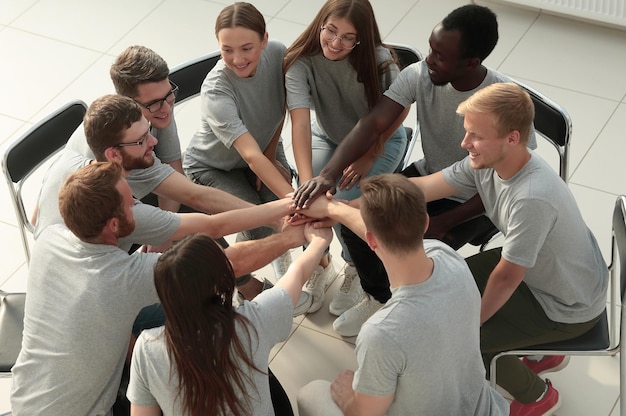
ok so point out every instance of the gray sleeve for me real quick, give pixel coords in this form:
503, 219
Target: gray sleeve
78, 143
298, 86
380, 361
168, 146
153, 226
138, 391
222, 114
528, 225
461, 176
271, 314
403, 89
144, 181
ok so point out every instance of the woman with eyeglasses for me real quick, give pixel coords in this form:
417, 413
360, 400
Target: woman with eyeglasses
238, 147
211, 358
339, 68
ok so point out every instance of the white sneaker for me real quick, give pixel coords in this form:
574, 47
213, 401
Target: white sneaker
303, 305
281, 263
317, 284
349, 294
349, 323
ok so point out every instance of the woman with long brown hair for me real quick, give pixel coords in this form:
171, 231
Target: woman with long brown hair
211, 358
339, 67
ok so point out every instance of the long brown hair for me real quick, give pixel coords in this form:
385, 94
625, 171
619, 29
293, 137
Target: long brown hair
195, 282
362, 57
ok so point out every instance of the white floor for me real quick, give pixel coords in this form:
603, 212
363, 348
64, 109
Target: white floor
56, 50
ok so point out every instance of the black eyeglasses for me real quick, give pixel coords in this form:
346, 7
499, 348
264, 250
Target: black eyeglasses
156, 105
346, 43
142, 140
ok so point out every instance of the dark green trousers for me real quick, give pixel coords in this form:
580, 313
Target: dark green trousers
521, 322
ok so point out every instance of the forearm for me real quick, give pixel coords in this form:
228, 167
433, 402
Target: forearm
503, 281
169, 204
348, 216
212, 200
271, 177
352, 147
248, 256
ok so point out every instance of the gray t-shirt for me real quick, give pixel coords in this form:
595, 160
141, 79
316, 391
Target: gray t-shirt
231, 106
441, 128
332, 90
82, 301
141, 181
153, 225
424, 345
545, 233
270, 314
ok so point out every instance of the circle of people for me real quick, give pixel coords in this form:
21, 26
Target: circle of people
164, 331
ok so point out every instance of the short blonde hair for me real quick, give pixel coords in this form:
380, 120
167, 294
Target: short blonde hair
510, 106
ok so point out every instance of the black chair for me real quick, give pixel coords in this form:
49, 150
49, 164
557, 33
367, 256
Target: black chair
190, 75
407, 55
24, 156
605, 338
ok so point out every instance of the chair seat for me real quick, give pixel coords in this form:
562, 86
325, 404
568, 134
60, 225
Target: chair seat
597, 338
11, 326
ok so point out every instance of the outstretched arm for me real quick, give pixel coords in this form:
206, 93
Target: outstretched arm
302, 268
199, 197
248, 256
353, 146
233, 221
264, 168
354, 403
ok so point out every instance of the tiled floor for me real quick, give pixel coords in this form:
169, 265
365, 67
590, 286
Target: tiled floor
56, 50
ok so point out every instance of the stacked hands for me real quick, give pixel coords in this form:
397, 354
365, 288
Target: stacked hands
309, 207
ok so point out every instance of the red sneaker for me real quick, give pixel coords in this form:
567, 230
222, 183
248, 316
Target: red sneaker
548, 364
547, 406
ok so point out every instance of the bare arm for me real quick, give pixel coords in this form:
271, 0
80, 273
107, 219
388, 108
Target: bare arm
248, 256
233, 221
354, 403
434, 186
301, 142
144, 411
380, 119
202, 198
264, 168
302, 267
348, 215
503, 281
166, 203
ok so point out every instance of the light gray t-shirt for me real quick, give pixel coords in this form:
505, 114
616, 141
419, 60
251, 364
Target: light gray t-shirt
332, 90
231, 106
424, 345
82, 301
141, 181
153, 225
441, 128
270, 314
545, 233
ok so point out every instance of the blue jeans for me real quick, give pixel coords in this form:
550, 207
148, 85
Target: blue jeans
323, 150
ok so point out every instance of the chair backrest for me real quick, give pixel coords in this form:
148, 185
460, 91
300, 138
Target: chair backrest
407, 55
554, 123
190, 75
32, 149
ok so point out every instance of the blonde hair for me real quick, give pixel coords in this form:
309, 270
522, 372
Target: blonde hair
511, 108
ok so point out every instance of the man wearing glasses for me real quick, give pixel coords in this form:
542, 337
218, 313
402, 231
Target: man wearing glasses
141, 74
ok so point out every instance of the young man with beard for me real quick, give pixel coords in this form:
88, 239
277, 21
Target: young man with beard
452, 72
84, 293
117, 131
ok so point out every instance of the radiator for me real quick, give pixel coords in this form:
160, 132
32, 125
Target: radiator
609, 12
